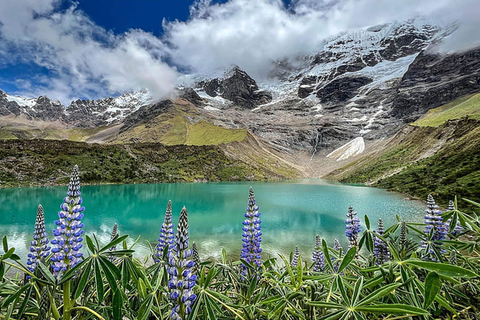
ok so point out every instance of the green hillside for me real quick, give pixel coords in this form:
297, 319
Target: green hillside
444, 161
48, 162
465, 106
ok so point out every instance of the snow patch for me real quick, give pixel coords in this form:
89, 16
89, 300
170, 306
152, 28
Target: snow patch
210, 108
350, 149
23, 102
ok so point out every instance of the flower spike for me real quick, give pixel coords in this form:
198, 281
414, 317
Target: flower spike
39, 248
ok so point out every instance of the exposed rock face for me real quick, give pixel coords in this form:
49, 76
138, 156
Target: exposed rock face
435, 79
190, 95
341, 89
238, 87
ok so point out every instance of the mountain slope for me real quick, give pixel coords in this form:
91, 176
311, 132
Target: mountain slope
444, 161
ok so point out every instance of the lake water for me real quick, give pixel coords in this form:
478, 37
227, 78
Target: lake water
292, 212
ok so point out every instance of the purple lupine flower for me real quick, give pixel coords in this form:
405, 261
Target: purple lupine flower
195, 258
435, 229
252, 234
317, 255
67, 236
39, 248
458, 228
380, 248
295, 257
403, 234
112, 237
352, 228
338, 248
181, 278
166, 238
434, 220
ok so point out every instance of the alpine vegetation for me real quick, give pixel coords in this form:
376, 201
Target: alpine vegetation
380, 247
39, 248
67, 236
252, 234
435, 230
352, 228
166, 237
317, 255
296, 255
181, 278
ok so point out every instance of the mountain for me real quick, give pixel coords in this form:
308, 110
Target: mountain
316, 113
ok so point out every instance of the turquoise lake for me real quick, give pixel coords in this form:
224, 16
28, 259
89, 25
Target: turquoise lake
292, 212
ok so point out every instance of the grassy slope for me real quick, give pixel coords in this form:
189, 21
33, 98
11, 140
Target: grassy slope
180, 125
465, 106
444, 161
48, 162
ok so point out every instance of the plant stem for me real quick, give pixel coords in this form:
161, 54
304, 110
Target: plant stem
89, 310
67, 310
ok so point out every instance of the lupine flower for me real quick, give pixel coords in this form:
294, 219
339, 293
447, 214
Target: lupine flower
458, 228
317, 255
435, 228
337, 247
434, 220
252, 235
67, 236
295, 257
403, 234
181, 278
44, 305
352, 228
380, 249
166, 238
39, 248
195, 258
112, 237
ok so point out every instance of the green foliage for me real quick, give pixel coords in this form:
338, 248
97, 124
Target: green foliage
47, 162
465, 106
113, 284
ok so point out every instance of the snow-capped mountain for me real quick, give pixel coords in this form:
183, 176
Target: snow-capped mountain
360, 86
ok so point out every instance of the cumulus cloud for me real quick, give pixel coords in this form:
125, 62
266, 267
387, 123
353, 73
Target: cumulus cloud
84, 60
253, 34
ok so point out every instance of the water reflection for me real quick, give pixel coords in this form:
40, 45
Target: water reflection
292, 212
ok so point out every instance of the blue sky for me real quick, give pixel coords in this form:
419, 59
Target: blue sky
97, 48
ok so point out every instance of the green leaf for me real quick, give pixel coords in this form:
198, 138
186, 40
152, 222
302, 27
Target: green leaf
444, 269
209, 307
393, 308
356, 290
113, 243
379, 293
25, 301
367, 222
5, 244
341, 286
328, 305
70, 273
145, 308
327, 254
224, 256
271, 299
2, 270
14, 296
8, 254
432, 288
196, 307
90, 244
117, 305
142, 289
44, 271
347, 259
98, 282
83, 280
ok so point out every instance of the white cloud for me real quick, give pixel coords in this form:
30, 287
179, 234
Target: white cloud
87, 61
252, 34
83, 59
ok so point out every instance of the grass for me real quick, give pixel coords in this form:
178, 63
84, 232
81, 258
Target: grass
465, 106
444, 161
181, 126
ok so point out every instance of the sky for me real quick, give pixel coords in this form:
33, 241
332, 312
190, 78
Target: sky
91, 49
